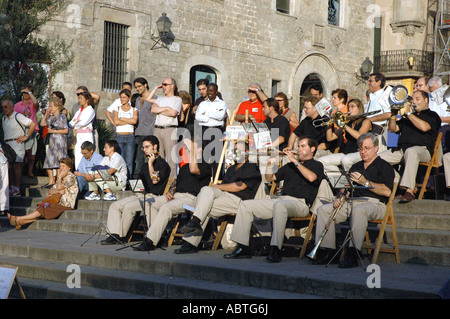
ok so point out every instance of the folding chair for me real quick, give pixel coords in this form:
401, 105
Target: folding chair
433, 163
142, 223
388, 219
324, 195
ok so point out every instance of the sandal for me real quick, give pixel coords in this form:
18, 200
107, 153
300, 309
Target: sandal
14, 222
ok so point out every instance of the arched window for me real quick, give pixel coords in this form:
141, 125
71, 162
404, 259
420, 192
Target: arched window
200, 72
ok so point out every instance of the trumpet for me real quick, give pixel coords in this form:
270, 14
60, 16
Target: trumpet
398, 97
341, 119
313, 253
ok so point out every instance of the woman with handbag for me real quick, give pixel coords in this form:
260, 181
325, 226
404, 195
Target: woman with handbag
56, 138
62, 196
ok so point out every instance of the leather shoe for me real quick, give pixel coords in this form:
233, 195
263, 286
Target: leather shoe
325, 256
350, 260
186, 248
113, 239
146, 245
408, 197
193, 226
274, 255
241, 251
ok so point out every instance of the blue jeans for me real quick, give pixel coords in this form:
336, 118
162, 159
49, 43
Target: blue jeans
127, 147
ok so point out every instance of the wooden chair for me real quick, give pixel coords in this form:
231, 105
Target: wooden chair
433, 163
388, 219
141, 227
324, 195
174, 233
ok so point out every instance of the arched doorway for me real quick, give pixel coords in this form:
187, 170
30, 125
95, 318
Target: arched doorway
196, 73
311, 81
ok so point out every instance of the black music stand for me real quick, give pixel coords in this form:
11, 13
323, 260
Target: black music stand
349, 235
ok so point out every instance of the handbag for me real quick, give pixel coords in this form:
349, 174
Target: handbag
52, 199
9, 152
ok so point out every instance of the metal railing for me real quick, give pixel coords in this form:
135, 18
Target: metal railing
404, 61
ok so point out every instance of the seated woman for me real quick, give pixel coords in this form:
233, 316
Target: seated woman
118, 170
349, 153
66, 189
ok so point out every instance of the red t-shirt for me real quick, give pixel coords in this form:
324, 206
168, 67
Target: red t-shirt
255, 109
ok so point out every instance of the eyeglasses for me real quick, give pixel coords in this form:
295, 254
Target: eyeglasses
166, 84
366, 148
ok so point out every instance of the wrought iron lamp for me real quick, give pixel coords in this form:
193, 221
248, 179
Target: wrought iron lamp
165, 36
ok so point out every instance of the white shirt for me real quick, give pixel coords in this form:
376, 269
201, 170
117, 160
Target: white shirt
118, 163
211, 113
12, 129
375, 105
126, 128
86, 118
174, 102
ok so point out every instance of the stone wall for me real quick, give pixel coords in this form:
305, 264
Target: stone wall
244, 41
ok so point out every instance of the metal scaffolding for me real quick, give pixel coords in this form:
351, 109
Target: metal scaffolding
442, 39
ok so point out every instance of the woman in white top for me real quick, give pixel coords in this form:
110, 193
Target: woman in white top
125, 117
116, 167
82, 124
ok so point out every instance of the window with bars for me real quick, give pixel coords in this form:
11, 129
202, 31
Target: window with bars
114, 56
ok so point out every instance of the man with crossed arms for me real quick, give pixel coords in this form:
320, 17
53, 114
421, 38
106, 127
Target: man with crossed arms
302, 179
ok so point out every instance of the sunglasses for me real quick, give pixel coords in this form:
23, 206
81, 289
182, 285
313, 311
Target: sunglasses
166, 84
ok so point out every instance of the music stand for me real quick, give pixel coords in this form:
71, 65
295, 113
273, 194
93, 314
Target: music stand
349, 235
105, 175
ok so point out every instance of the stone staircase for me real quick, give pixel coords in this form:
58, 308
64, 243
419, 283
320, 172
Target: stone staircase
43, 251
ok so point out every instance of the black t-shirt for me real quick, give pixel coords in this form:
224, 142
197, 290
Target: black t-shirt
190, 183
296, 185
351, 145
284, 129
306, 128
249, 174
412, 136
163, 168
379, 171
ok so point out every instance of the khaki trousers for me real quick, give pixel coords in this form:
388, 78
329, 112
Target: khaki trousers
364, 210
212, 202
412, 156
280, 209
121, 213
167, 146
446, 161
162, 211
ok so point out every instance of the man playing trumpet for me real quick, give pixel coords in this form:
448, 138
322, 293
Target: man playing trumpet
368, 203
419, 131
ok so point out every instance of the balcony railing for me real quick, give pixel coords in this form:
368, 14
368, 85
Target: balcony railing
404, 61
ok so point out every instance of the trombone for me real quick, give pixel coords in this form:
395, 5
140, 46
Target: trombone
341, 119
313, 253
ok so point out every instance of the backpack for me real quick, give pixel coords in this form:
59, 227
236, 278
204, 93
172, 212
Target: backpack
9, 152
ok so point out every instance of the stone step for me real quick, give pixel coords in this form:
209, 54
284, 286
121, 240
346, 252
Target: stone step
425, 206
48, 254
121, 284
422, 221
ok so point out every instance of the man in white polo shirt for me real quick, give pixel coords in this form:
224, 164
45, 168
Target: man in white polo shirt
15, 133
167, 108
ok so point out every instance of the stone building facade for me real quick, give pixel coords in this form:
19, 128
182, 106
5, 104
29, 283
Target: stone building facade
280, 44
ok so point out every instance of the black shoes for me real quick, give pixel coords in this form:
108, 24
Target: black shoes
186, 248
113, 239
325, 256
274, 255
351, 259
193, 227
241, 251
146, 245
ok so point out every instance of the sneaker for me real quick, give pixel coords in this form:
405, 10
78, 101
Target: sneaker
15, 193
109, 196
93, 196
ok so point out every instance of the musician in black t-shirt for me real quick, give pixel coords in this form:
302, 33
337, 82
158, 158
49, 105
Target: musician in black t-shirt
191, 178
302, 177
367, 203
306, 128
154, 176
240, 182
418, 131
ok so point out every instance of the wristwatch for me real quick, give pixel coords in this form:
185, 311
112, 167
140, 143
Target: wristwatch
367, 184
408, 114
298, 163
